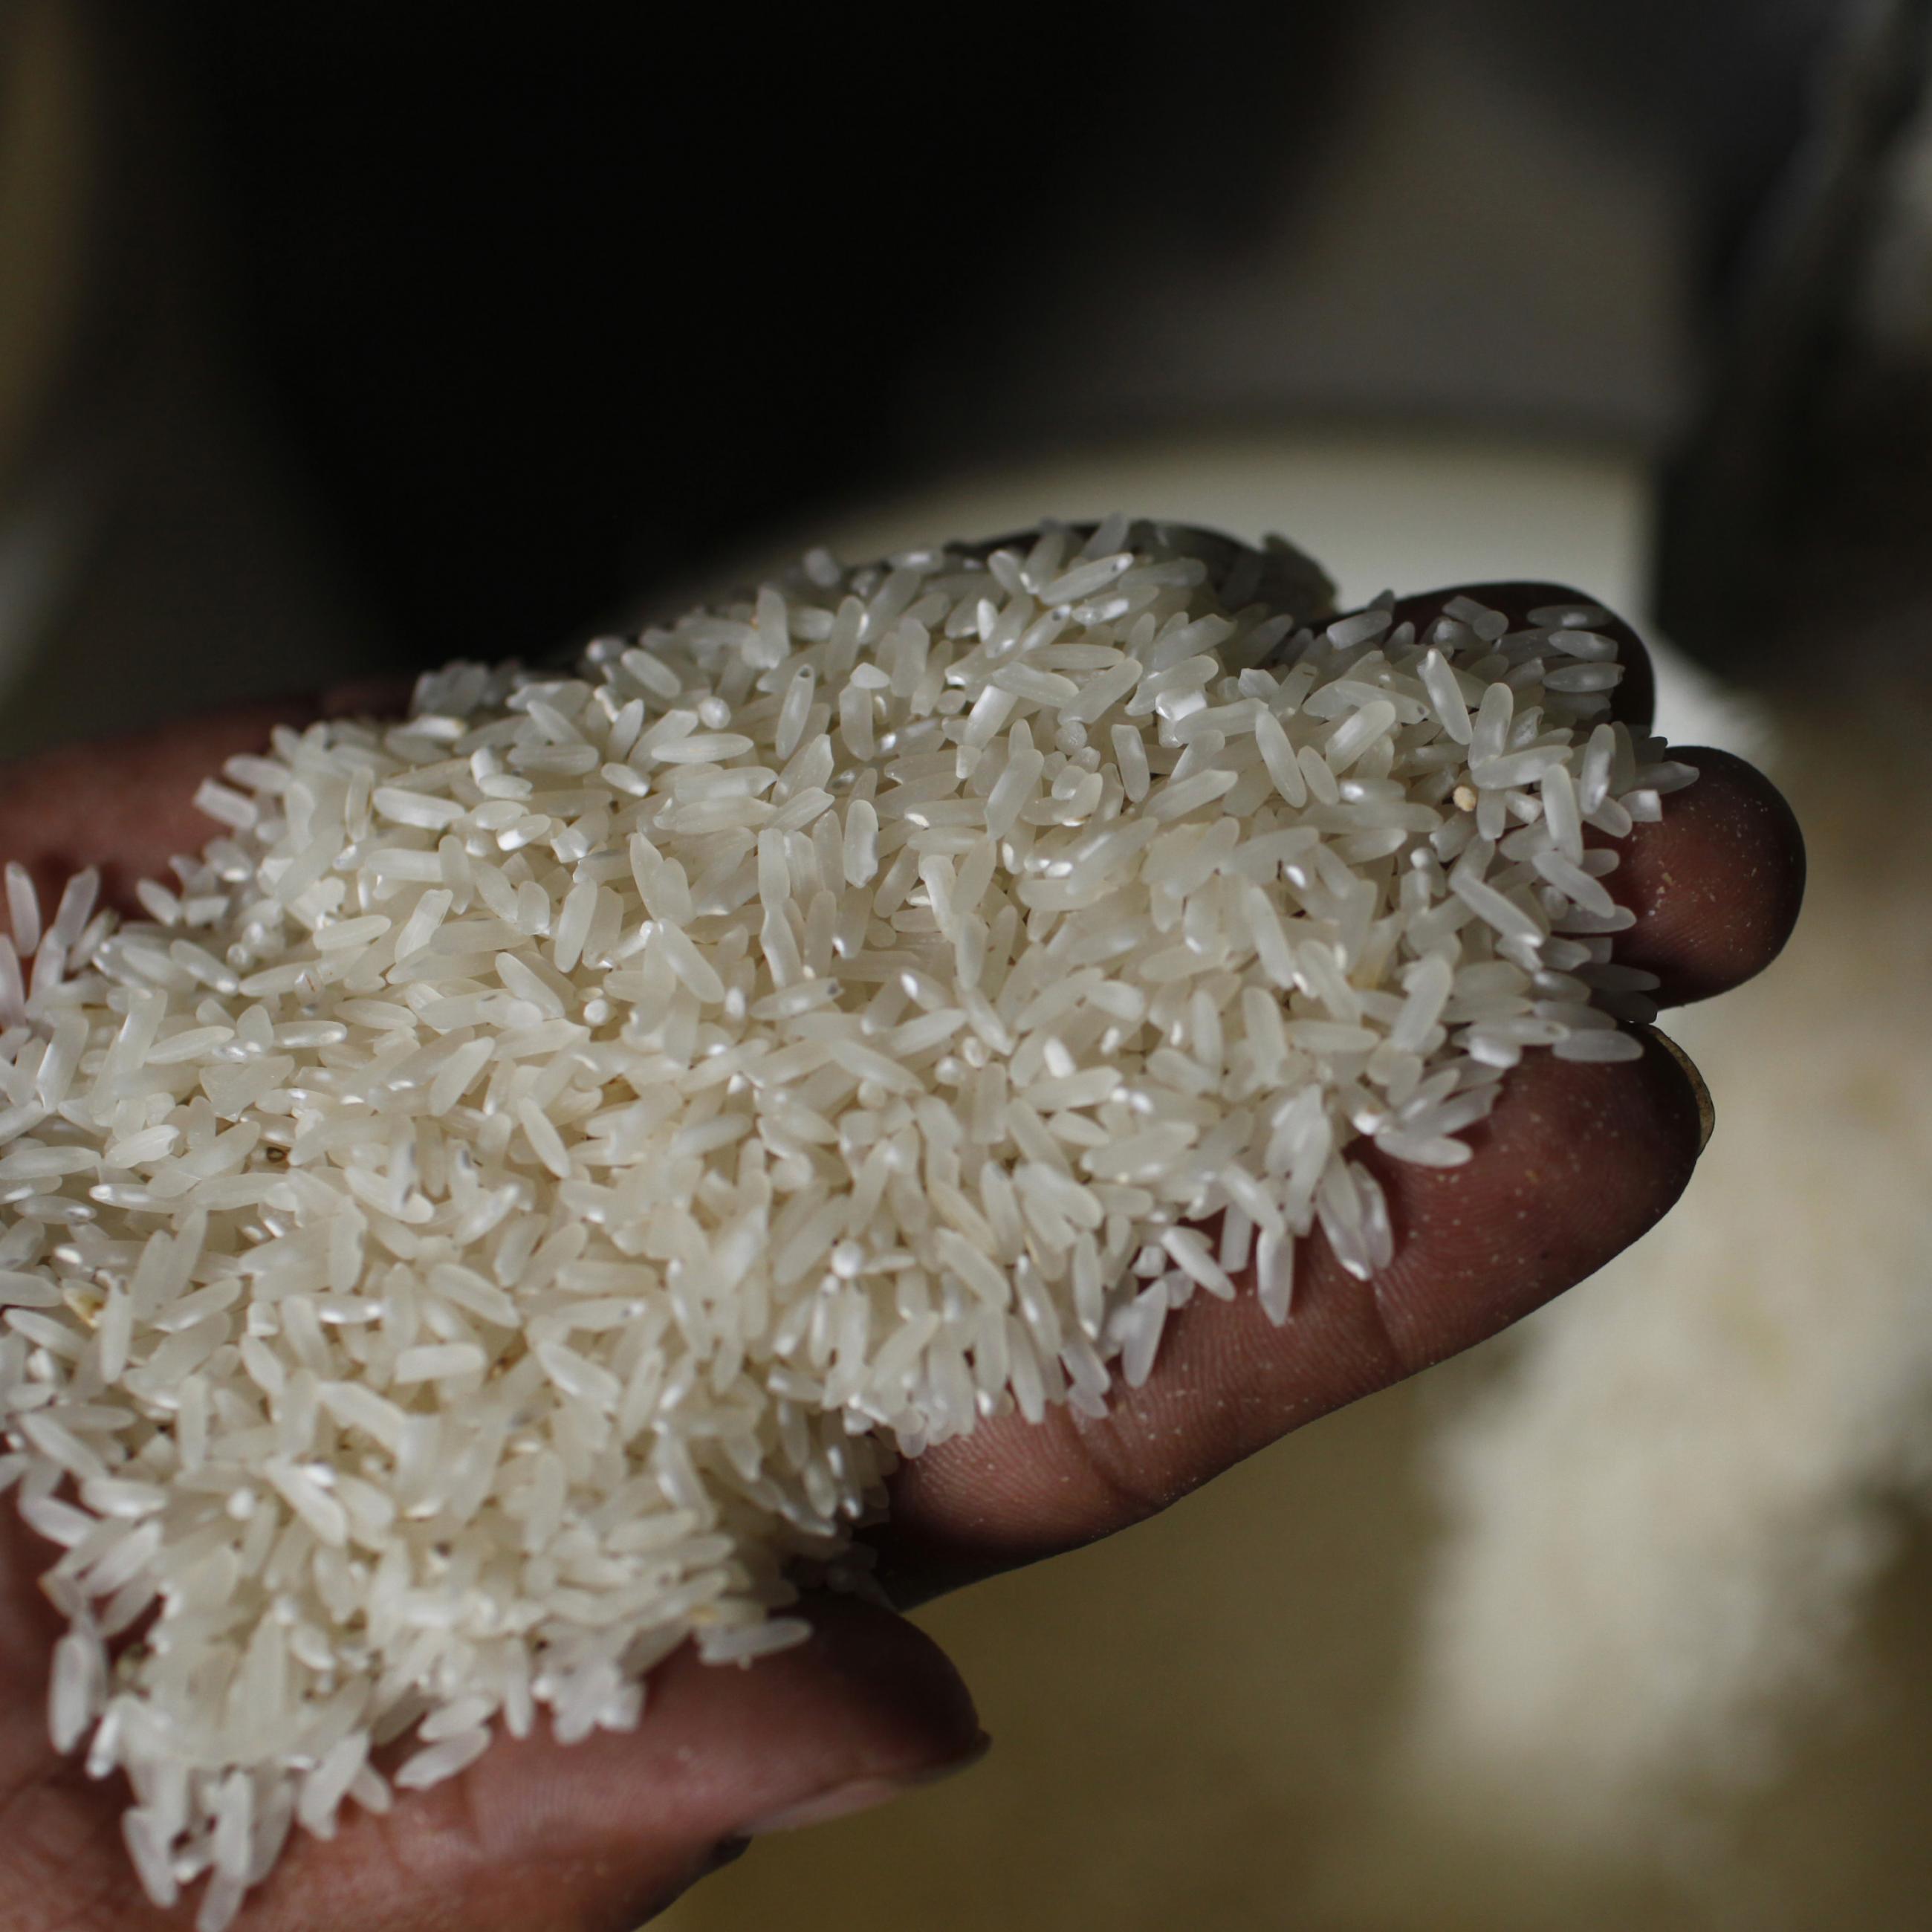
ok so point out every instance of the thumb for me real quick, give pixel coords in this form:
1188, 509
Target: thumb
603, 1833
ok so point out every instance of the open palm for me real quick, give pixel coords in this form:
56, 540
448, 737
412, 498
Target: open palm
1576, 1161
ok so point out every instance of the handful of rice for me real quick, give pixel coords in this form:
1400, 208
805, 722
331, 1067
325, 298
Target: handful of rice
504, 1213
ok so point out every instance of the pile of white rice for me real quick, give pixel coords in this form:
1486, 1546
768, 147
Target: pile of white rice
511, 1204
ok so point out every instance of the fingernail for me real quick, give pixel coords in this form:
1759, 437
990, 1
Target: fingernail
862, 1794
1707, 1108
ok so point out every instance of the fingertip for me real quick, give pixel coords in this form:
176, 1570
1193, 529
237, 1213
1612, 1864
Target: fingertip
867, 1697
1634, 700
905, 1708
607, 1831
1717, 884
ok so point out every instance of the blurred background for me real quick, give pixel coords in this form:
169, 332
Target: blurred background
343, 340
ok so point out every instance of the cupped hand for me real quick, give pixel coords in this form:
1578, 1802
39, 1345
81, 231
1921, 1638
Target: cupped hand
1576, 1161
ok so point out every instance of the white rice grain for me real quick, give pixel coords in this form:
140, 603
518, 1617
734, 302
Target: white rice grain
23, 909
551, 1155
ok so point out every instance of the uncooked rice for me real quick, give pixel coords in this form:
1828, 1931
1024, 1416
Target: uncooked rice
507, 1209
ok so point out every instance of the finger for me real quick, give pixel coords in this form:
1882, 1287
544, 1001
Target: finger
602, 1833
1634, 700
1716, 884
605, 1832
127, 804
1575, 1163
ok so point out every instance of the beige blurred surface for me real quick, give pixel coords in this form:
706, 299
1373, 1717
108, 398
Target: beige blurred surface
1391, 509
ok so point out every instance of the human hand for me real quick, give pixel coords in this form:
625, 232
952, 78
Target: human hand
1577, 1161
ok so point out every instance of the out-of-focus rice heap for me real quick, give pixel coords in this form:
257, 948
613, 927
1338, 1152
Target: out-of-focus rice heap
508, 1206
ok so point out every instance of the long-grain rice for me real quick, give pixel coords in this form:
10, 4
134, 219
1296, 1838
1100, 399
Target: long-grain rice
523, 1186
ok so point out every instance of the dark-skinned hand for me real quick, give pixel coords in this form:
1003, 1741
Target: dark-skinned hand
1575, 1163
